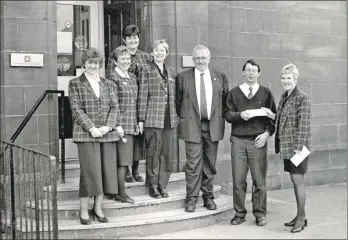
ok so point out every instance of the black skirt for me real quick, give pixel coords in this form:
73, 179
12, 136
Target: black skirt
291, 168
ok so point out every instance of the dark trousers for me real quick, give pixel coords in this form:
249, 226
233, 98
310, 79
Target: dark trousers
245, 155
159, 153
200, 166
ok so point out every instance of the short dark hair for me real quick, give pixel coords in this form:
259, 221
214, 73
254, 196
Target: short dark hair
130, 30
251, 62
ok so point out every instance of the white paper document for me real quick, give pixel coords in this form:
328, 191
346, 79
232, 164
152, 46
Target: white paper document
256, 112
300, 156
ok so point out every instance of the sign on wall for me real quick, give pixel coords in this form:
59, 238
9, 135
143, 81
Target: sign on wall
26, 60
187, 61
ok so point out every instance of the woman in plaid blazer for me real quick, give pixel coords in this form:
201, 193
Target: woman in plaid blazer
96, 129
127, 92
157, 114
292, 133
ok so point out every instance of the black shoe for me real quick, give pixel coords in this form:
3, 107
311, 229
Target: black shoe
124, 199
209, 204
292, 223
236, 220
85, 221
163, 193
100, 219
154, 193
129, 178
137, 177
261, 221
190, 206
298, 226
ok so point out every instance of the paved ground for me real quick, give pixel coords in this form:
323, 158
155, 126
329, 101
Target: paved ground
326, 210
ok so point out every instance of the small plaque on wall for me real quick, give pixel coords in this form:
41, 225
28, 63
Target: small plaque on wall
187, 61
26, 60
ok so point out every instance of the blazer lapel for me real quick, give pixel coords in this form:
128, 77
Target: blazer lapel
85, 82
285, 110
216, 88
157, 75
191, 86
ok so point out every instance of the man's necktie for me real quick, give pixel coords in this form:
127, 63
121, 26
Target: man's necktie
250, 95
203, 101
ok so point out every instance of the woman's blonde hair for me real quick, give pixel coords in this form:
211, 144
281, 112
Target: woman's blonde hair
162, 42
92, 53
290, 68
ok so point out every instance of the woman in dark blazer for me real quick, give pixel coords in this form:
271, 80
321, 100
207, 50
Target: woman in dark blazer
292, 133
127, 92
157, 115
96, 129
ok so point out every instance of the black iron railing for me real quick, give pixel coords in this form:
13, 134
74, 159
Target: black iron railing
61, 126
28, 196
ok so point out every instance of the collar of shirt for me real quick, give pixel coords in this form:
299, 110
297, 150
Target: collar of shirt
164, 74
245, 88
206, 73
121, 73
94, 84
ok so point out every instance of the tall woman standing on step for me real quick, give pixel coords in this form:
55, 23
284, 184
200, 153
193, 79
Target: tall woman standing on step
96, 129
292, 134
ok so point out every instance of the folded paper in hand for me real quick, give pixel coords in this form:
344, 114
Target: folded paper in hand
256, 112
300, 156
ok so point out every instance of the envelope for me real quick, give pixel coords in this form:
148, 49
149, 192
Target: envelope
256, 112
300, 156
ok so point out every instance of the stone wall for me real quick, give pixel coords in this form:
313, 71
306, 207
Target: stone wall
29, 27
310, 34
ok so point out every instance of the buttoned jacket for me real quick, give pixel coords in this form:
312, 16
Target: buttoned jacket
293, 124
90, 111
154, 96
188, 109
127, 93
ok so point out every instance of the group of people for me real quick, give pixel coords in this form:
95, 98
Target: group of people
135, 111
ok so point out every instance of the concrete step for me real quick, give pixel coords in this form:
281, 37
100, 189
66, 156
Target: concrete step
72, 168
70, 189
68, 210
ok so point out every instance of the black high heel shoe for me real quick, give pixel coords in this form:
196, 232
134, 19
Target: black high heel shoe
299, 229
85, 221
100, 219
292, 223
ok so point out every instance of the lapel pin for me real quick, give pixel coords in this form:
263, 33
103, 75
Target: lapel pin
214, 79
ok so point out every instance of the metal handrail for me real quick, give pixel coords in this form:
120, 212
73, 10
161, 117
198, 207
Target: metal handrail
62, 135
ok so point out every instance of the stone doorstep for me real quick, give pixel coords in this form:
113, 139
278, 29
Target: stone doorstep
68, 210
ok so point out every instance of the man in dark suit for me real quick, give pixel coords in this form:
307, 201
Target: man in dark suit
201, 94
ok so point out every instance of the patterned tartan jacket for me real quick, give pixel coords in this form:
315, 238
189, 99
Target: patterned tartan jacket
88, 110
137, 61
152, 96
293, 125
127, 92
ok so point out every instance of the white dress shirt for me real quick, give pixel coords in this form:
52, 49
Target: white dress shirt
245, 88
94, 84
208, 89
121, 73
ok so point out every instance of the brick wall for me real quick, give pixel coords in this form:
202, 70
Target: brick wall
310, 34
29, 27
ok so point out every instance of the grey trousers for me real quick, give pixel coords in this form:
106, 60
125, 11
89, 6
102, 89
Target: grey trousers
245, 155
200, 166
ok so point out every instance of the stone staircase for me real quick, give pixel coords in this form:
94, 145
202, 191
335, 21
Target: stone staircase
147, 216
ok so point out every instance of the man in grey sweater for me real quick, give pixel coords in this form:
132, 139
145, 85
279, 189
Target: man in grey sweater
249, 137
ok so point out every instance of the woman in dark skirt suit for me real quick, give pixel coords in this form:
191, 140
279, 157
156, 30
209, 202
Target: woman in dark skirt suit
292, 133
127, 92
96, 117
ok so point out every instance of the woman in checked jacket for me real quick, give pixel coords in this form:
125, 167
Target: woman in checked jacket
292, 134
96, 129
125, 84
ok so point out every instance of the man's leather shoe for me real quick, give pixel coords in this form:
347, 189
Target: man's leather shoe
261, 221
163, 193
137, 177
154, 193
209, 204
190, 206
124, 199
129, 178
236, 220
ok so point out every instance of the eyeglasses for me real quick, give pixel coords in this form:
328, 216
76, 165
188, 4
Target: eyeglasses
251, 71
200, 58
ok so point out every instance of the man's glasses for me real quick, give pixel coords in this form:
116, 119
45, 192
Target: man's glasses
251, 71
200, 58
